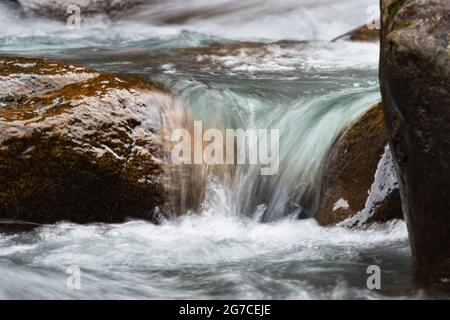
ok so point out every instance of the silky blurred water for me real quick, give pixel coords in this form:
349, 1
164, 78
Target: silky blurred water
245, 240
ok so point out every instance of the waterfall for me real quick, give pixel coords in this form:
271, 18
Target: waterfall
231, 64
283, 86
308, 125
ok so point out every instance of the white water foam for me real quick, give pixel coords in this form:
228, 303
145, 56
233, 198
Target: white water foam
315, 56
265, 19
232, 19
218, 252
213, 254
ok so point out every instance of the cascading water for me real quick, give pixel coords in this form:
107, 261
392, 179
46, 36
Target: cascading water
218, 247
308, 125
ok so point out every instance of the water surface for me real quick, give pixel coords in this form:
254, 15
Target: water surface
254, 65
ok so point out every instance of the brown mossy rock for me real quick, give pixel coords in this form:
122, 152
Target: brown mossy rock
78, 145
362, 33
349, 172
415, 83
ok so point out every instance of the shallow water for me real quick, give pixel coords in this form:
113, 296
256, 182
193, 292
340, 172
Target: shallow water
309, 89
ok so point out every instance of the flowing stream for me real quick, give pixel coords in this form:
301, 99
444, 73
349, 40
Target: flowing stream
234, 64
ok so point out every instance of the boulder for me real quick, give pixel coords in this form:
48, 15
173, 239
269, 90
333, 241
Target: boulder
79, 145
358, 185
362, 33
415, 83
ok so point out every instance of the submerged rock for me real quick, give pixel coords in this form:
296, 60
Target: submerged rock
415, 82
349, 189
362, 33
77, 144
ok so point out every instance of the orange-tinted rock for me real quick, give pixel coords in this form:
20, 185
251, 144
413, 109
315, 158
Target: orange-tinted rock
78, 145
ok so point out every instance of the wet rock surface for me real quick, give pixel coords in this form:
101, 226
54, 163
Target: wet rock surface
79, 145
415, 82
350, 188
383, 203
362, 33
